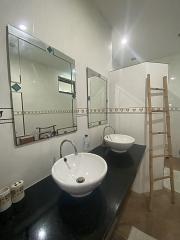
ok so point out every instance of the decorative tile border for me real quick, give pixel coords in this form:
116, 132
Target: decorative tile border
142, 110
138, 110
6, 115
84, 111
41, 112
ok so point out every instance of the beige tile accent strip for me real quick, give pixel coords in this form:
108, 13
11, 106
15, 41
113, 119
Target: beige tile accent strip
7, 116
84, 111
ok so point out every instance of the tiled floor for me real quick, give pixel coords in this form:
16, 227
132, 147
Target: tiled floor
136, 234
163, 223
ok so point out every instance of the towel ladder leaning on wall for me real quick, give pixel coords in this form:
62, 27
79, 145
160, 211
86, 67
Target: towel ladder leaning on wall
168, 152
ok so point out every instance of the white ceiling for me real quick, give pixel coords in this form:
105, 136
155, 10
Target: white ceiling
152, 27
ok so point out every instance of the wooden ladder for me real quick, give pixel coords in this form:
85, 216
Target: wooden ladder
168, 152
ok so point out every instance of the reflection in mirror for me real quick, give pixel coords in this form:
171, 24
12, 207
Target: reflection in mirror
66, 85
97, 98
42, 89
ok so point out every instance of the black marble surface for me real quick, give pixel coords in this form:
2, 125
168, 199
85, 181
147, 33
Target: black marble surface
48, 213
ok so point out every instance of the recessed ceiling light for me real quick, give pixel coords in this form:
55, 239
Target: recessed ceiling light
172, 78
124, 41
22, 27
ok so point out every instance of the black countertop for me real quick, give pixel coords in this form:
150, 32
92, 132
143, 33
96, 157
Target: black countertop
48, 213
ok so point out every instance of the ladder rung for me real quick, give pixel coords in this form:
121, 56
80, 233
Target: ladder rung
155, 133
161, 178
158, 89
159, 155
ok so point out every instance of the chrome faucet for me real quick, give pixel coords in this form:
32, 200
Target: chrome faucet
105, 129
66, 140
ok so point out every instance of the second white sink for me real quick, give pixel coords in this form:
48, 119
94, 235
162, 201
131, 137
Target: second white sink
118, 142
79, 174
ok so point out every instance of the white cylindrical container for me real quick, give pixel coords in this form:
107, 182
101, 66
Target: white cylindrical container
17, 191
5, 199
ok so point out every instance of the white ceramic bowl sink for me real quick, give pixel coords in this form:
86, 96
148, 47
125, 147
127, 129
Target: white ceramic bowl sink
80, 174
118, 142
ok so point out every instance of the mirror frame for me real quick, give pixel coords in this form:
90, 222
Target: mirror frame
47, 48
91, 111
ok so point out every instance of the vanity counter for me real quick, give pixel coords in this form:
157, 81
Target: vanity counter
48, 213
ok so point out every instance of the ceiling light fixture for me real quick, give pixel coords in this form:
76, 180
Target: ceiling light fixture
124, 41
23, 27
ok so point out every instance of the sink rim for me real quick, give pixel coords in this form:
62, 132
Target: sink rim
74, 184
118, 142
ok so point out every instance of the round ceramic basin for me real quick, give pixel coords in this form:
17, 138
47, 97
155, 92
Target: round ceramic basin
118, 142
79, 174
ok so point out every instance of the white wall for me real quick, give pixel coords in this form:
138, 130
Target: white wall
75, 28
174, 98
126, 90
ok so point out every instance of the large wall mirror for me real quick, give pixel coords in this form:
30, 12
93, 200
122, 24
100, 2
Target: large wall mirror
96, 98
42, 88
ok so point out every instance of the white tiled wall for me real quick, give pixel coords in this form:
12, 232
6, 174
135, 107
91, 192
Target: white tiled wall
75, 28
174, 98
127, 89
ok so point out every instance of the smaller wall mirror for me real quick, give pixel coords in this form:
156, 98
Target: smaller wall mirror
96, 98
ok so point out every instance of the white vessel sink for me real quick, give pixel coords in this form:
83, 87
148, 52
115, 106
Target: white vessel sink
118, 142
80, 174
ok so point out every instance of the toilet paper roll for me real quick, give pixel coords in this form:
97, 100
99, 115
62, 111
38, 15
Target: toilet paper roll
5, 199
17, 191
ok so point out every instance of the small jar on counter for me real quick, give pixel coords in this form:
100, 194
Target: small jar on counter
17, 191
5, 199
